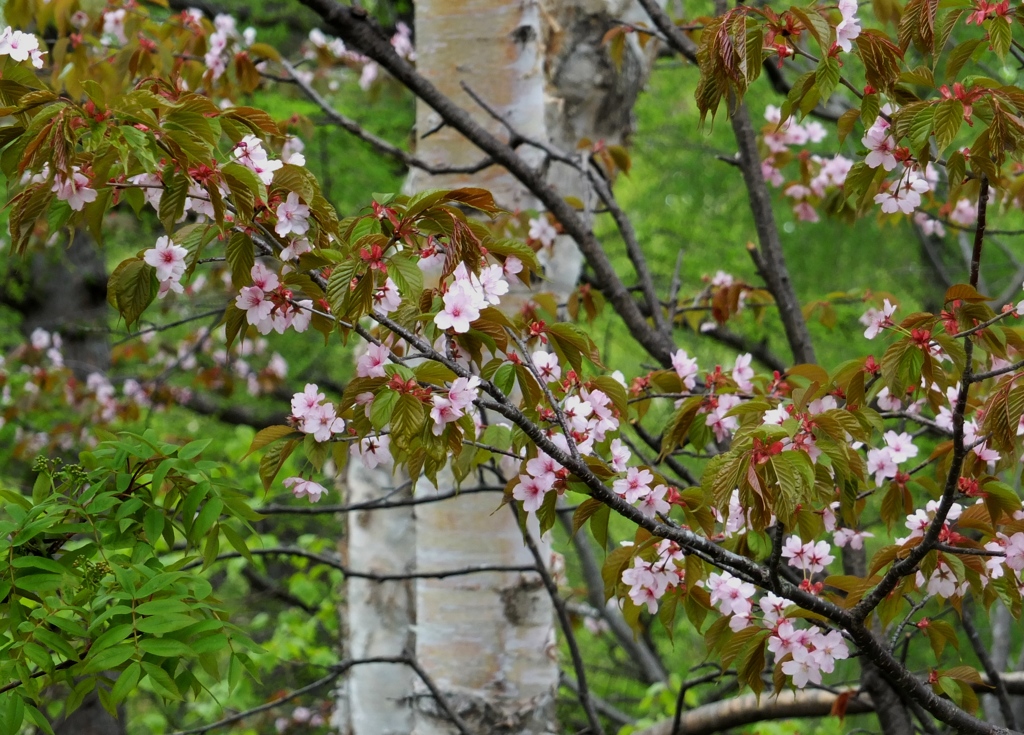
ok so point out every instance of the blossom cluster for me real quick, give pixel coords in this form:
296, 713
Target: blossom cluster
21, 46
269, 305
805, 653
468, 294
218, 54
649, 581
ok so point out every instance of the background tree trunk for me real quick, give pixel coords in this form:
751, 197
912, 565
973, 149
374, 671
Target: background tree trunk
487, 640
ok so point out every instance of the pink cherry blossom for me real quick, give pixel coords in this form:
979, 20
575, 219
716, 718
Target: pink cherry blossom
901, 446
547, 365
881, 464
542, 231
876, 320
464, 391
654, 502
730, 594
263, 278
635, 485
803, 668
686, 368
249, 152
880, 146
292, 216
620, 455
21, 46
322, 422
531, 491
74, 189
460, 308
742, 373
305, 488
252, 301
168, 259
371, 364
848, 28
374, 451
443, 413
386, 299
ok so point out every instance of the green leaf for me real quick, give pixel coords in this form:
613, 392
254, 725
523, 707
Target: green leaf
505, 378
241, 256
382, 408
161, 682
126, 683
165, 648
172, 201
827, 77
132, 288
949, 115
110, 658
193, 449
159, 624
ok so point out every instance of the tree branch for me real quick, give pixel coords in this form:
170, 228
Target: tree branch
354, 26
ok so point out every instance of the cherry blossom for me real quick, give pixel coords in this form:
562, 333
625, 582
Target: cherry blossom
635, 485
654, 502
295, 248
169, 261
22, 46
461, 307
686, 368
901, 446
374, 451
742, 373
880, 146
113, 27
531, 491
547, 366
721, 424
386, 298
464, 391
256, 306
964, 213
876, 320
305, 488
291, 151
881, 464
730, 594
74, 189
855, 539
620, 455
249, 152
848, 28
803, 668
542, 231
292, 216
372, 362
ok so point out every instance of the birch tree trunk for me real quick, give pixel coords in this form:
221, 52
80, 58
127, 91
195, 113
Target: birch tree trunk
487, 640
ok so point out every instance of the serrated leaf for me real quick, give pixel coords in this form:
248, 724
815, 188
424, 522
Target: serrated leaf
949, 116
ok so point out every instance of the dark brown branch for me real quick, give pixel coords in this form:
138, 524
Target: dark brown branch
566, 623
979, 233
730, 713
358, 574
381, 504
1002, 696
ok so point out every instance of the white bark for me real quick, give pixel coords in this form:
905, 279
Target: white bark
379, 616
